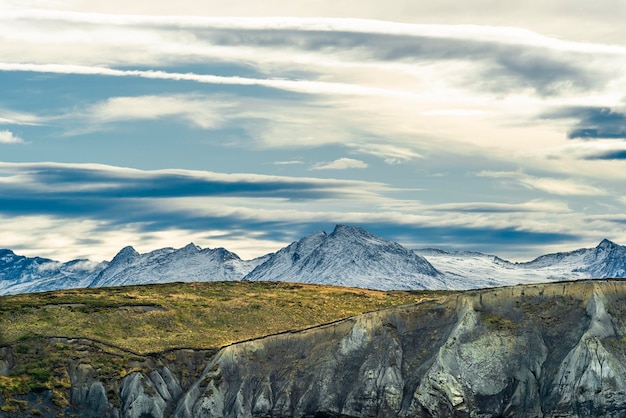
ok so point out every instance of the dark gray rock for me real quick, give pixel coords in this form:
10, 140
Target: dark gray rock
6, 360
88, 396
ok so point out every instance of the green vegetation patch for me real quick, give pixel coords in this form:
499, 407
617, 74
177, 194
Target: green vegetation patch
154, 318
39, 366
500, 322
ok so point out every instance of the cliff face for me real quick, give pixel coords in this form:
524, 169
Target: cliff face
546, 350
554, 350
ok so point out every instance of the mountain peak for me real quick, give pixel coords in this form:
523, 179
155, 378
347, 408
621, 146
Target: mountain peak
125, 253
605, 243
224, 254
191, 247
5, 252
349, 230
349, 256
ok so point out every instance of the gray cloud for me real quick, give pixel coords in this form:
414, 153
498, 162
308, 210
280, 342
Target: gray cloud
593, 123
64, 183
506, 67
477, 239
608, 155
504, 59
117, 198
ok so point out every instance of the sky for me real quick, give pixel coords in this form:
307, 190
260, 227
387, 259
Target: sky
482, 125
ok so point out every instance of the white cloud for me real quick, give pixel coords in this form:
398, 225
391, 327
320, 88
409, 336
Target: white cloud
562, 17
9, 117
300, 86
413, 102
525, 217
340, 164
8, 137
392, 154
586, 150
507, 34
55, 238
278, 124
201, 112
563, 187
291, 162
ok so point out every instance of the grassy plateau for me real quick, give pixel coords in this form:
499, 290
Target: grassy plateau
154, 318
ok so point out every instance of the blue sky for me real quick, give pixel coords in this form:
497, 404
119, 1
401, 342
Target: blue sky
482, 126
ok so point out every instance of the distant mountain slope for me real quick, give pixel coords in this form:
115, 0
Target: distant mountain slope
187, 264
19, 274
608, 259
350, 256
481, 270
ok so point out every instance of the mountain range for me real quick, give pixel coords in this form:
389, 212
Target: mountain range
349, 256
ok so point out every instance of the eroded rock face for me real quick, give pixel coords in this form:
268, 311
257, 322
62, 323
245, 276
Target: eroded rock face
556, 350
6, 360
535, 351
88, 394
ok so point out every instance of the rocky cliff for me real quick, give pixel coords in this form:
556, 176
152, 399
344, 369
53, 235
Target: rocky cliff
550, 350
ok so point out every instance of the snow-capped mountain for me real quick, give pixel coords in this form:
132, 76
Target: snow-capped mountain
608, 259
482, 270
19, 274
350, 256
188, 264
